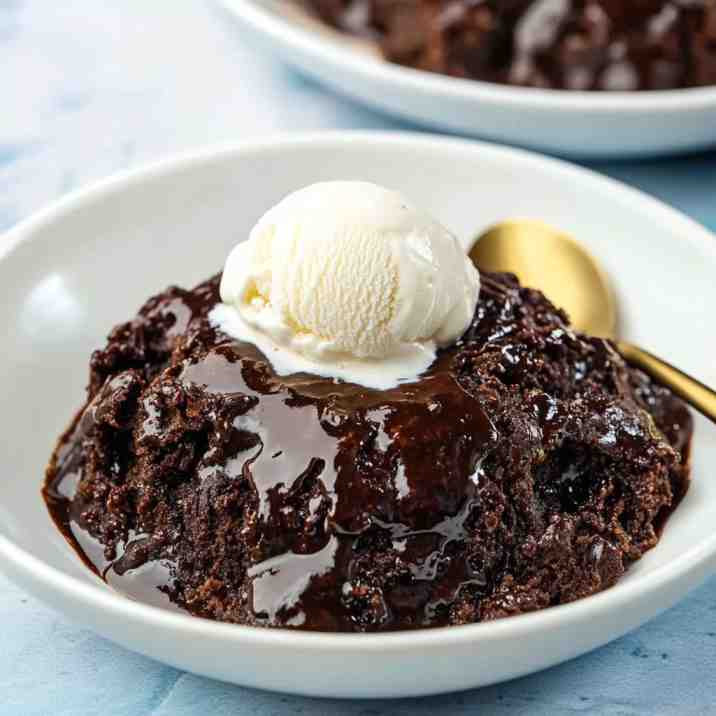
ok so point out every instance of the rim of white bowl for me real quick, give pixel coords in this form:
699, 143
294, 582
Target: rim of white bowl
102, 597
323, 49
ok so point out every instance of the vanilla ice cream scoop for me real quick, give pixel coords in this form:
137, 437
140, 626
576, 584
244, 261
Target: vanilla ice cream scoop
348, 280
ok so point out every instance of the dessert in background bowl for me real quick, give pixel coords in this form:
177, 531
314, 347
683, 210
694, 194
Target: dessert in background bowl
352, 430
621, 45
560, 76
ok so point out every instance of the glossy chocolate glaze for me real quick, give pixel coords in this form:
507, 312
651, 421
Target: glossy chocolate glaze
195, 474
564, 44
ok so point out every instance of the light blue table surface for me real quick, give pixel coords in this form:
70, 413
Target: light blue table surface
89, 87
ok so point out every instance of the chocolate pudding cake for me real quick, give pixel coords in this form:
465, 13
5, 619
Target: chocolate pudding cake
529, 466
562, 44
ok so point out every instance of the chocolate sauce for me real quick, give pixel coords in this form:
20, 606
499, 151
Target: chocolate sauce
197, 476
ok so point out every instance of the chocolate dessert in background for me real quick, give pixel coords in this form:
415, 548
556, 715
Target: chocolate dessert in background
563, 44
528, 467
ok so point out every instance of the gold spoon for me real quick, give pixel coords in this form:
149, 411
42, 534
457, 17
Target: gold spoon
553, 262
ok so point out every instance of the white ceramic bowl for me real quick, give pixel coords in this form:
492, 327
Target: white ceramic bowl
71, 272
577, 124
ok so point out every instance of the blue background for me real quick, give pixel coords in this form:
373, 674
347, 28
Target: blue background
95, 86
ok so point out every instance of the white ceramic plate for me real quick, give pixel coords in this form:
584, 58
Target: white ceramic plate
73, 271
578, 124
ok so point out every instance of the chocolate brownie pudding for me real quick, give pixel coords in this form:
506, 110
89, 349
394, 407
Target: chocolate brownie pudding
562, 44
528, 467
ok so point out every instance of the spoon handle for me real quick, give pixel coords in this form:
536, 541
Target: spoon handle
689, 389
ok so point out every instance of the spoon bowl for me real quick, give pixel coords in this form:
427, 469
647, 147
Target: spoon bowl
545, 258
